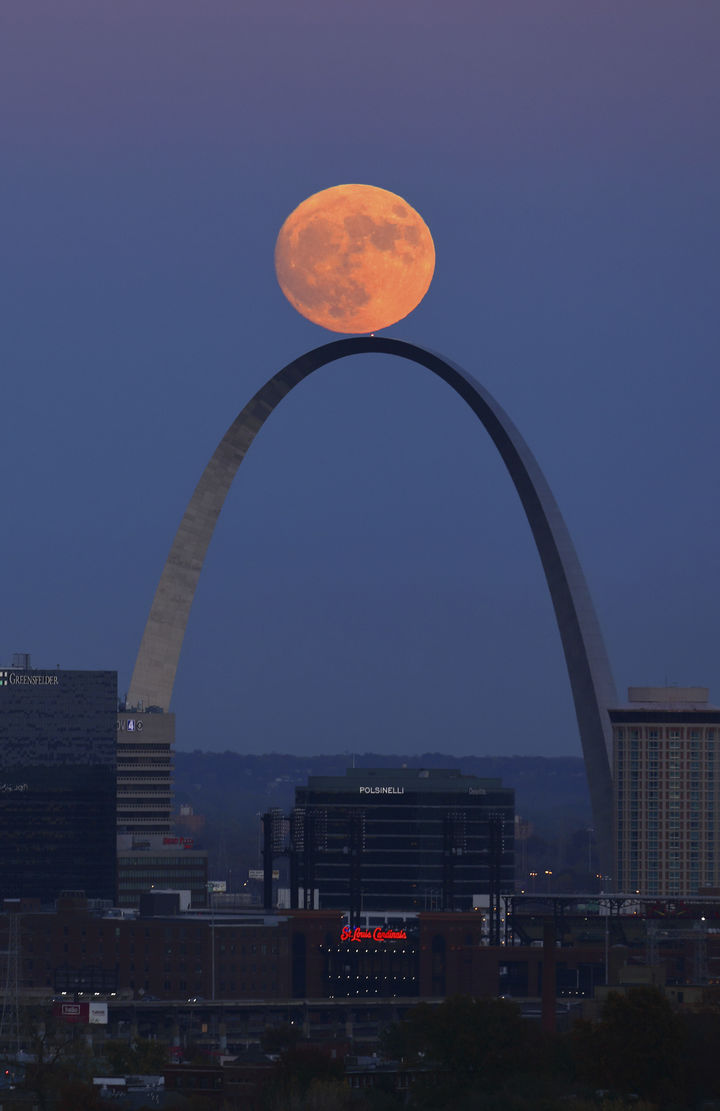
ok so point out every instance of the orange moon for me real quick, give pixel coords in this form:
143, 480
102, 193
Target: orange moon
354, 258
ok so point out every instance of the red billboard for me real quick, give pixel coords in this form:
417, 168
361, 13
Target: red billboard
94, 1013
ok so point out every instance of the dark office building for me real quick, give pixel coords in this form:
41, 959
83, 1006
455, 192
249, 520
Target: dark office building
402, 839
57, 782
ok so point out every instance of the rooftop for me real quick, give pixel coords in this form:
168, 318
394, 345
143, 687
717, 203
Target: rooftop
675, 699
374, 780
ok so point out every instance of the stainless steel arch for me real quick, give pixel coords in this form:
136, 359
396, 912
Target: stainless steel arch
587, 662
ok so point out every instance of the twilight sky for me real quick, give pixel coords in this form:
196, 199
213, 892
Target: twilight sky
373, 583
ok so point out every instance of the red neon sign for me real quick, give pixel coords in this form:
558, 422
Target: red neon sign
380, 933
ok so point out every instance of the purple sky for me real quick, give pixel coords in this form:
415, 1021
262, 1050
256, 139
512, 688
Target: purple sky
372, 583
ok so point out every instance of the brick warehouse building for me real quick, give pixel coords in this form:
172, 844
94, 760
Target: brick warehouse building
318, 955
297, 954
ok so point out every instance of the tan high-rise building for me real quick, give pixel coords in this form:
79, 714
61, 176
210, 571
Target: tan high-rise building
144, 771
147, 854
666, 748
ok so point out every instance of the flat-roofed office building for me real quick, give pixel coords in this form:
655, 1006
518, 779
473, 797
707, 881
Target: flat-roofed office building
666, 744
57, 781
145, 863
403, 839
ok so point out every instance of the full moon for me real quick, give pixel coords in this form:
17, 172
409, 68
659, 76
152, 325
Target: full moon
354, 258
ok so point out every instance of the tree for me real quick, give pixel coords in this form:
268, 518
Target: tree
278, 1039
143, 1057
60, 1055
297, 1070
464, 1037
638, 1046
702, 1038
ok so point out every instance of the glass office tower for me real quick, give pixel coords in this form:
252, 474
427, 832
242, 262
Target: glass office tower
58, 733
403, 839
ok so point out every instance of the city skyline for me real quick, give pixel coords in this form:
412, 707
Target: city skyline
391, 598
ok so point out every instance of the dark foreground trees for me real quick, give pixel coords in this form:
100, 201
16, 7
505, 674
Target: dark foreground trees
638, 1046
481, 1055
460, 1055
141, 1058
465, 1037
475, 1053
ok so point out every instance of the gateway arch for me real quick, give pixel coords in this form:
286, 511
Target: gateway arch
587, 662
